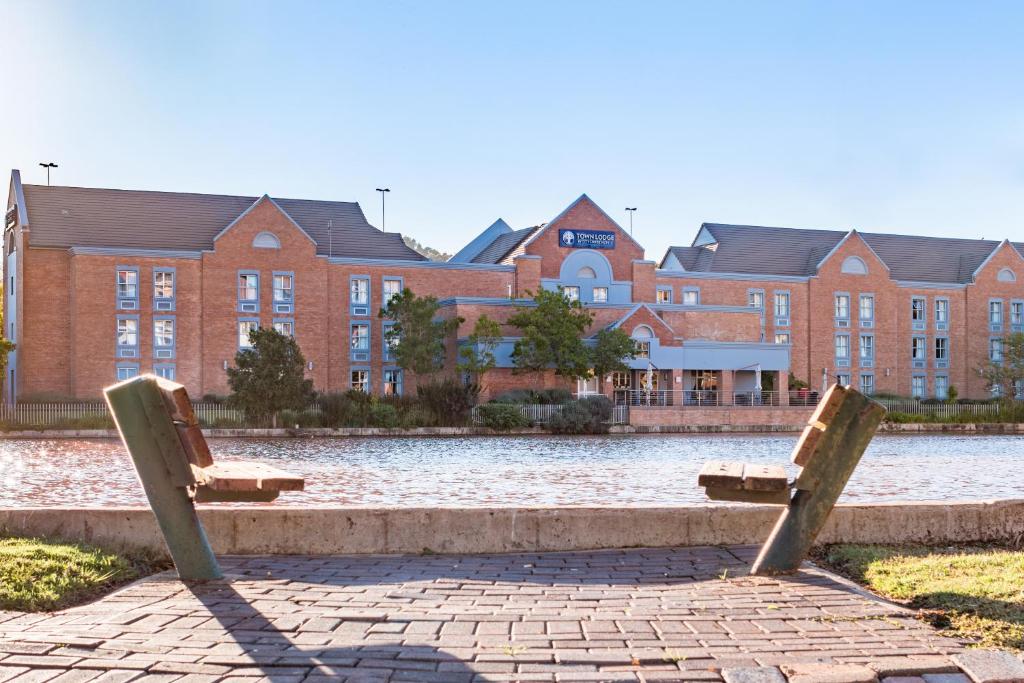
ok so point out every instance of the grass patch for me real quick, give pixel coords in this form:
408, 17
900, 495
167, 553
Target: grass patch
971, 592
39, 575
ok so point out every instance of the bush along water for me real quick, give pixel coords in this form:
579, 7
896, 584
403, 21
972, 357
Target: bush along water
502, 417
591, 415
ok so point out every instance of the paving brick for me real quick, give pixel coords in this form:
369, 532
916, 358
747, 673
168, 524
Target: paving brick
912, 666
989, 666
759, 674
828, 673
945, 678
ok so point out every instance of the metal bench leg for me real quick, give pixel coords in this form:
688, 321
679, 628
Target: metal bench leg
175, 513
819, 486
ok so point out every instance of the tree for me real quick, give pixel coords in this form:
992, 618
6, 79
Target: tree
1004, 376
476, 358
552, 336
611, 351
269, 376
417, 336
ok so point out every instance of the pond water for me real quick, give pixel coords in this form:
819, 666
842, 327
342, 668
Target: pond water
518, 471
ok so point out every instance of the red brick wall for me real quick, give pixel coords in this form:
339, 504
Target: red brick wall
44, 358
585, 215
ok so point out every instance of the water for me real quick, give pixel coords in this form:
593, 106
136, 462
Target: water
517, 471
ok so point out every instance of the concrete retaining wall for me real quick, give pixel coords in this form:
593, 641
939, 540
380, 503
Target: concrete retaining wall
282, 530
922, 428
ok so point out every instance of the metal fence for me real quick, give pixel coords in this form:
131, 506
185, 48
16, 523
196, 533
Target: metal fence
944, 410
44, 414
539, 414
704, 398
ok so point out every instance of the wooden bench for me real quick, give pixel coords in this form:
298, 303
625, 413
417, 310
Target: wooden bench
159, 428
828, 451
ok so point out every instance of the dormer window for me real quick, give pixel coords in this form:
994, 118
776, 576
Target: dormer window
266, 240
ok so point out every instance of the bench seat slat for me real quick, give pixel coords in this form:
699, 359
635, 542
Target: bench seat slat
720, 474
246, 476
764, 478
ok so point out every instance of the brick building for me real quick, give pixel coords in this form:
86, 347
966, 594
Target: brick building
103, 284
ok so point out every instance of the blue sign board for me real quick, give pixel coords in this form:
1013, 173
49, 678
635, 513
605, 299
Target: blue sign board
586, 239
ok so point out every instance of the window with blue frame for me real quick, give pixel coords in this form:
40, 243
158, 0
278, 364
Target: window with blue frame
867, 384
245, 327
163, 289
248, 291
918, 351
691, 296
360, 341
359, 295
163, 337
389, 341
995, 315
360, 380
127, 336
867, 310
127, 288
995, 349
392, 382
755, 298
918, 386
127, 371
285, 326
1017, 315
782, 307
942, 352
918, 313
284, 292
664, 295
867, 350
392, 287
842, 309
941, 386
842, 353
600, 295
942, 314
165, 370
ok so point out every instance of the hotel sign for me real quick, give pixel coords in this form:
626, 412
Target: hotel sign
586, 239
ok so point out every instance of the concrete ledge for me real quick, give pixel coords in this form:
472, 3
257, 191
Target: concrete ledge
889, 428
284, 530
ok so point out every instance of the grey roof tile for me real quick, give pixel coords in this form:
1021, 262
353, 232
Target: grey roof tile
92, 217
503, 245
761, 250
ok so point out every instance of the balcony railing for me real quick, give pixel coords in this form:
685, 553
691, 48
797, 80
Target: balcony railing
663, 398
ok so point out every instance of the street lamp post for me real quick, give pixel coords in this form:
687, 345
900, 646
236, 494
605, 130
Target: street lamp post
48, 165
383, 223
631, 210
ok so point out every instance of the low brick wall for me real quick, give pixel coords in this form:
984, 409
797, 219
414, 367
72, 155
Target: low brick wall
282, 530
781, 417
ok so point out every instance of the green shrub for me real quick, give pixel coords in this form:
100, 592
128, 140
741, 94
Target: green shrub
502, 417
590, 415
383, 415
449, 401
532, 397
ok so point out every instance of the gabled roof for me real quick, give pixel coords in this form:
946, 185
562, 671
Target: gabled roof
761, 250
633, 311
504, 245
91, 217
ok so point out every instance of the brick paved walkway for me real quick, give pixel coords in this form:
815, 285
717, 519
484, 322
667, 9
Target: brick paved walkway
634, 615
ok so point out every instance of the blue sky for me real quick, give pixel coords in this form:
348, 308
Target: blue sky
890, 117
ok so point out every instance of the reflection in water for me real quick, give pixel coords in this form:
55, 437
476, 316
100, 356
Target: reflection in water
516, 471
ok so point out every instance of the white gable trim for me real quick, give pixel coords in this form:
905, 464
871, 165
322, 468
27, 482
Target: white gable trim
19, 198
992, 254
621, 321
842, 242
264, 198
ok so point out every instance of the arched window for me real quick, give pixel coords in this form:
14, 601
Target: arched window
266, 240
1006, 275
642, 332
854, 265
587, 272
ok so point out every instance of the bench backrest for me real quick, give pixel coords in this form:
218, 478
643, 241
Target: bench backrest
827, 409
169, 415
